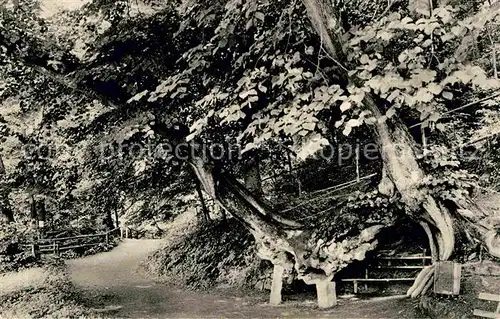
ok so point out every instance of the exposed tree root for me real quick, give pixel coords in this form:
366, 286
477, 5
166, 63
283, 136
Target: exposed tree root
432, 243
425, 276
282, 241
440, 218
492, 242
427, 286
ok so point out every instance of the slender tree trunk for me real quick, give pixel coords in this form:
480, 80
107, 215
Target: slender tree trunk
41, 211
5, 211
2, 166
41, 217
204, 209
117, 222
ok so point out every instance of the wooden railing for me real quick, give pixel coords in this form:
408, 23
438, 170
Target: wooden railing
398, 262
57, 245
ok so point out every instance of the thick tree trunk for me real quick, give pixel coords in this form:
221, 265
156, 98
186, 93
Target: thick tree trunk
109, 220
282, 241
41, 211
6, 214
33, 212
253, 181
397, 149
401, 169
271, 238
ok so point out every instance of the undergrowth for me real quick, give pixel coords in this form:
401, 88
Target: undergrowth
216, 254
44, 292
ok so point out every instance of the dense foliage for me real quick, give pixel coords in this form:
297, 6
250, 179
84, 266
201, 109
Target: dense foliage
100, 95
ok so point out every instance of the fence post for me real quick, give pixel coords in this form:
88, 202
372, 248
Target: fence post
126, 232
121, 232
54, 247
57, 249
34, 250
107, 238
357, 163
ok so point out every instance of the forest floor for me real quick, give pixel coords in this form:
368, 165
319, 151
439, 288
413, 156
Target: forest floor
113, 286
41, 292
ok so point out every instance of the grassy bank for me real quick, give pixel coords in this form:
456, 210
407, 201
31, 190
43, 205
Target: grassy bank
220, 253
41, 292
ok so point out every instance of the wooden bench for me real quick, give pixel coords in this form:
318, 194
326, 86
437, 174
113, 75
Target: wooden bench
356, 281
391, 262
488, 314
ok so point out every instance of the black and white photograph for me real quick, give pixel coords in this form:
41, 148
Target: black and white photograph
250, 159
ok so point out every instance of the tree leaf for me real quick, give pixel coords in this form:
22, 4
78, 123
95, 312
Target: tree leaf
347, 130
138, 96
309, 126
345, 106
259, 15
354, 122
253, 98
262, 88
390, 112
448, 95
243, 95
434, 88
249, 24
421, 7
423, 95
340, 122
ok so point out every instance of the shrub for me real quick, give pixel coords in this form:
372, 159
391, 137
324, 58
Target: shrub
40, 292
213, 254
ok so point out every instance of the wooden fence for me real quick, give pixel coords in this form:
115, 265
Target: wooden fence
385, 262
57, 245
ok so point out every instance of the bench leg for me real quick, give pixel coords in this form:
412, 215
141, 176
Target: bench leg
275, 298
327, 296
366, 277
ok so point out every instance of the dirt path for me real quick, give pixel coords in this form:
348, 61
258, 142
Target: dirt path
111, 282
